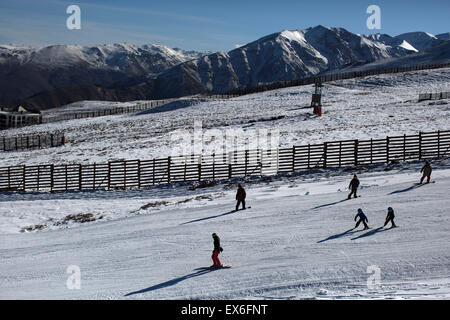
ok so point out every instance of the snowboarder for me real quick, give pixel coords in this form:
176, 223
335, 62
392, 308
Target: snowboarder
362, 218
354, 184
240, 197
426, 169
390, 217
217, 249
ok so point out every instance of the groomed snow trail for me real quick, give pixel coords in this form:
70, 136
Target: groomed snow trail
295, 242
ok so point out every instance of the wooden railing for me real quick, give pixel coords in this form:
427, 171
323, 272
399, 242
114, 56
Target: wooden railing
333, 77
35, 141
126, 174
434, 96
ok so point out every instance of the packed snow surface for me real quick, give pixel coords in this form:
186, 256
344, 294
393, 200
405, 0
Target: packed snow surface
295, 242
363, 108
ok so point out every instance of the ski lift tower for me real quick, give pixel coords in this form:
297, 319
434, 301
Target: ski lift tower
316, 99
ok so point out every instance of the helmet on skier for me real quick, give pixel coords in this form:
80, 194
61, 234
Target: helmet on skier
360, 210
214, 234
390, 209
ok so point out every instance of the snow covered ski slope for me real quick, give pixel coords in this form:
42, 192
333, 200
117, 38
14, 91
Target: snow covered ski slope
296, 242
363, 108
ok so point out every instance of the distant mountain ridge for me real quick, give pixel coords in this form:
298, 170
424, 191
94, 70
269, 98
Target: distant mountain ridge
27, 71
126, 72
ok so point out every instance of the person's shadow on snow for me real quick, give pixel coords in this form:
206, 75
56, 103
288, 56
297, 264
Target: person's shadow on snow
372, 232
199, 272
350, 231
329, 204
211, 217
407, 189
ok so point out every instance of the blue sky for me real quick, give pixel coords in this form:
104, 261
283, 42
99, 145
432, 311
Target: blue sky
205, 25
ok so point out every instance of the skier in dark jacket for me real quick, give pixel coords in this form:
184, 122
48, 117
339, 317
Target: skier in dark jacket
354, 184
240, 197
217, 249
362, 218
390, 217
426, 170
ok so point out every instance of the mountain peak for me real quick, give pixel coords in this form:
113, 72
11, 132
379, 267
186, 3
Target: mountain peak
419, 39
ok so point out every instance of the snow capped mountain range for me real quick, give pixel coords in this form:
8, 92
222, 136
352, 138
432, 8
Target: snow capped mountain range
25, 71
124, 71
121, 57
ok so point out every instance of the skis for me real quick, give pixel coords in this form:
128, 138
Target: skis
224, 266
242, 209
423, 183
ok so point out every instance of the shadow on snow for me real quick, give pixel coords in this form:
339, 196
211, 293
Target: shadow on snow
349, 231
407, 189
329, 204
201, 271
372, 232
211, 217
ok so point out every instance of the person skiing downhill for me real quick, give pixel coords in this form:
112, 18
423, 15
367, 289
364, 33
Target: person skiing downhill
426, 169
217, 249
354, 184
240, 197
390, 217
362, 218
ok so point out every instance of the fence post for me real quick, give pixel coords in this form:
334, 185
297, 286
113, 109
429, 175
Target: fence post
9, 178
39, 178
200, 168
439, 143
52, 177
67, 178
246, 162
214, 166
293, 158
325, 146
154, 167
356, 152
371, 150
420, 145
404, 147
109, 175
230, 169
387, 149
185, 168
139, 174
168, 169
94, 174
24, 177
309, 156
125, 174
80, 177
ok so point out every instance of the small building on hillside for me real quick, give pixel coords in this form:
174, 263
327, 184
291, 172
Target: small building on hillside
19, 118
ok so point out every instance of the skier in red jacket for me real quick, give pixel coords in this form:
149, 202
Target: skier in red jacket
217, 249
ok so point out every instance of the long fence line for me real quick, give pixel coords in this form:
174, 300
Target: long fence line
333, 77
126, 174
434, 96
103, 112
120, 110
46, 118
34, 141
